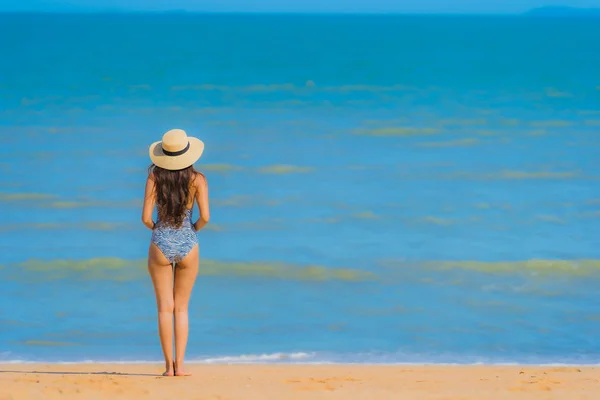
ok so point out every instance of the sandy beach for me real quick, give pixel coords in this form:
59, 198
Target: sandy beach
143, 381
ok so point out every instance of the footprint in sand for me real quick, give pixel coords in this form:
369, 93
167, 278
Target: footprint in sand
320, 384
314, 389
564, 369
538, 388
535, 385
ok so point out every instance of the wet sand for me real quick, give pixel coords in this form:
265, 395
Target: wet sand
258, 382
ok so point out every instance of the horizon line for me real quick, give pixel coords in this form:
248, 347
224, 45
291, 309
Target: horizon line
525, 13
391, 13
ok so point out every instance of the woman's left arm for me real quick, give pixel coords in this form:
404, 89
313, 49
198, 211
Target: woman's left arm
149, 199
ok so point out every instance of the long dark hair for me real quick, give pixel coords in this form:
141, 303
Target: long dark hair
172, 190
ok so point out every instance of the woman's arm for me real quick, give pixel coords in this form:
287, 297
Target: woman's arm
202, 201
149, 199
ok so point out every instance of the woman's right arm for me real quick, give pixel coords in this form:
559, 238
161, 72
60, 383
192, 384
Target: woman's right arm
202, 201
149, 199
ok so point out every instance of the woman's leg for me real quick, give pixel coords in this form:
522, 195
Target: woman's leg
161, 272
185, 276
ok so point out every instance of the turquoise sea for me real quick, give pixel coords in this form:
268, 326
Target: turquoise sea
384, 189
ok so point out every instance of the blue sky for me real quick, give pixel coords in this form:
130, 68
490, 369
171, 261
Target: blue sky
428, 6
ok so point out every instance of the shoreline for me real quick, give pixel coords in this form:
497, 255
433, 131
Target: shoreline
297, 381
315, 363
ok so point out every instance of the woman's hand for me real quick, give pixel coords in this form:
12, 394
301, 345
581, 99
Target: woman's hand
199, 224
150, 224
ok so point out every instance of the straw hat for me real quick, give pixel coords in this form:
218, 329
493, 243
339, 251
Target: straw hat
176, 151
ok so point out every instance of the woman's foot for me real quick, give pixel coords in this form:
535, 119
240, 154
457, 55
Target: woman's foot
179, 371
170, 370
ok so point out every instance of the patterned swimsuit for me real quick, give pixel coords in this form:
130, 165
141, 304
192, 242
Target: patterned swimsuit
175, 243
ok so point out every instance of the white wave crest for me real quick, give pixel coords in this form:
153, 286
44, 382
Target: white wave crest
256, 358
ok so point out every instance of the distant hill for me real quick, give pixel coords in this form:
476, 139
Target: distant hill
563, 12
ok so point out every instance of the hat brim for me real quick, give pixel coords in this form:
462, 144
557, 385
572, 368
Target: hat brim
173, 163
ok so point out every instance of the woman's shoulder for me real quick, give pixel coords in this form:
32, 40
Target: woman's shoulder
199, 179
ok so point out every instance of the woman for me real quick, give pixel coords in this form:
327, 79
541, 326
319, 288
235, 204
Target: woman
173, 185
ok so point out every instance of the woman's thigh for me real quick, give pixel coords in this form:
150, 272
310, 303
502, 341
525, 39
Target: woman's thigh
161, 272
186, 272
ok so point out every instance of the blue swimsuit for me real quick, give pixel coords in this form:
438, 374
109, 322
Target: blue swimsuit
175, 243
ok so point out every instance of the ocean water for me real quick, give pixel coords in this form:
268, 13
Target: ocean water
384, 189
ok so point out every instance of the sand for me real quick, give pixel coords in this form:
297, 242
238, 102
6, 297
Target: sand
117, 381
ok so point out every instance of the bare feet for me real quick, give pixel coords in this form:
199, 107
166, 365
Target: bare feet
180, 371
170, 370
